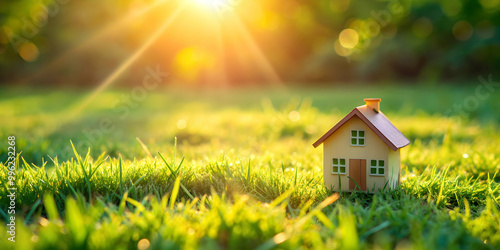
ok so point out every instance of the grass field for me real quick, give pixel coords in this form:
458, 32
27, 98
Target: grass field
236, 169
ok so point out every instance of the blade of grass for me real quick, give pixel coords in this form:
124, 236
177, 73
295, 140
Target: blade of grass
50, 207
137, 204
121, 173
175, 192
33, 208
123, 202
145, 148
168, 165
282, 197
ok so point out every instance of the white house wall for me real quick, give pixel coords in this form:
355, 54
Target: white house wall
394, 168
338, 146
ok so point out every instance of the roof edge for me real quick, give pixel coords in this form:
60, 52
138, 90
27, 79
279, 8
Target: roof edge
334, 128
358, 113
377, 131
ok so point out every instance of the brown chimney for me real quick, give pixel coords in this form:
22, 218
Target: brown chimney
373, 103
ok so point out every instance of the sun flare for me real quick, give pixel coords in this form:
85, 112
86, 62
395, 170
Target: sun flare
211, 3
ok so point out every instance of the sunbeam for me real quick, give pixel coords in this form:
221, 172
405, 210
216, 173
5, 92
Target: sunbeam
257, 53
222, 74
77, 108
89, 42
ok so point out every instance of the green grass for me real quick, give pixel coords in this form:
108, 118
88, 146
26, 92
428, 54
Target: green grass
230, 169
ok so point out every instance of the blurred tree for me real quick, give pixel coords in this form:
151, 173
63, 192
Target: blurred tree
81, 42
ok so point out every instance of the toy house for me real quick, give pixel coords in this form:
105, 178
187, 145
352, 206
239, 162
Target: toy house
362, 151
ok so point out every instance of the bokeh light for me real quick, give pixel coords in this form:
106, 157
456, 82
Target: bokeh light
143, 244
485, 29
341, 50
422, 27
28, 51
462, 30
294, 116
348, 38
490, 5
226, 43
181, 124
372, 28
451, 8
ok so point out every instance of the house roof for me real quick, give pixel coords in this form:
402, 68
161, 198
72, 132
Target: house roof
377, 122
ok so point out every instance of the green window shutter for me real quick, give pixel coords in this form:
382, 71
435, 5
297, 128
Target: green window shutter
373, 170
335, 161
373, 163
380, 163
361, 133
381, 171
342, 170
342, 162
354, 133
335, 169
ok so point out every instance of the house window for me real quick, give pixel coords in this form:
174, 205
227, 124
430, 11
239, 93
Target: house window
357, 137
377, 167
338, 166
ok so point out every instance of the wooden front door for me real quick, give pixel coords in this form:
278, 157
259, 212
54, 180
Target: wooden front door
357, 172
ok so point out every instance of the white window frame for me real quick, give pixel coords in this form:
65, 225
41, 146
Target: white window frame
379, 165
339, 165
357, 138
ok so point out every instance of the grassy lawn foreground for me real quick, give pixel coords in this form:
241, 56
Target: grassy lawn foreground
236, 169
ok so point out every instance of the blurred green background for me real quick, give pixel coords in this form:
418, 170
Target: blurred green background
237, 42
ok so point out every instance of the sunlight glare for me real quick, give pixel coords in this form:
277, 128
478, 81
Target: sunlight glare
79, 106
90, 42
211, 3
259, 56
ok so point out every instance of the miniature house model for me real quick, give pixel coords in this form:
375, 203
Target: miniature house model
362, 151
